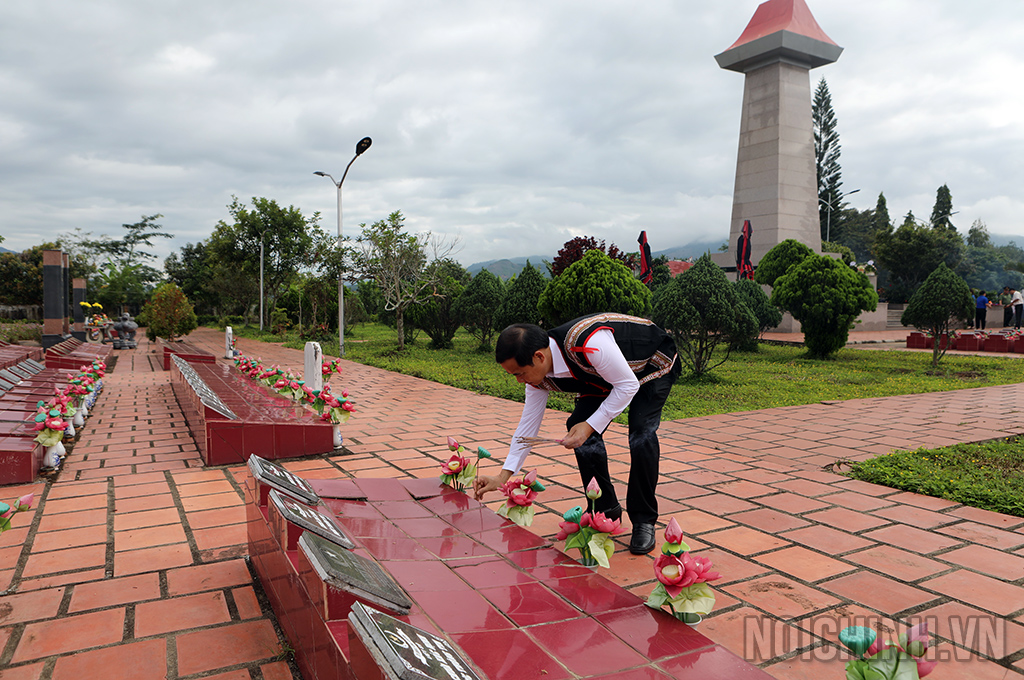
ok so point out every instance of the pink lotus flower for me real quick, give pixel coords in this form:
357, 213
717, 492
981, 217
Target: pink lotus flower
280, 384
520, 491
454, 466
681, 571
56, 424
605, 525
348, 406
673, 532
566, 529
593, 489
25, 502
453, 445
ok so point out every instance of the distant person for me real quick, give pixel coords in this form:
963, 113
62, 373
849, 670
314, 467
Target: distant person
1004, 302
1017, 304
981, 305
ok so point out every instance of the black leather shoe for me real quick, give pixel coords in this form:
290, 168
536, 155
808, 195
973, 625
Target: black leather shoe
614, 514
642, 541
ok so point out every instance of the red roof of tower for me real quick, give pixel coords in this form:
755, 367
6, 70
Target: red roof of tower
782, 15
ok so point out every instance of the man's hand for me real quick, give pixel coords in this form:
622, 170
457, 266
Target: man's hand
579, 433
484, 484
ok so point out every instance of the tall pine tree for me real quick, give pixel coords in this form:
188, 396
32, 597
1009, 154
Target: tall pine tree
943, 209
826, 157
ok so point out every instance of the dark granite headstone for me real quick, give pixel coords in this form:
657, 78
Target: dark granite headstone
277, 477
10, 377
410, 653
349, 572
310, 520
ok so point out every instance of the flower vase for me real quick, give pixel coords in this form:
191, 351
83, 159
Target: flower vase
54, 454
588, 561
690, 618
79, 419
69, 431
82, 408
337, 436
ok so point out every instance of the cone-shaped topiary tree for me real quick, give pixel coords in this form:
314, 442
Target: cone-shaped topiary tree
826, 297
594, 284
521, 297
437, 317
169, 314
701, 309
942, 300
766, 314
477, 304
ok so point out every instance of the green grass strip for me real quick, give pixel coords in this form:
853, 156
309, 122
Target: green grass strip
989, 475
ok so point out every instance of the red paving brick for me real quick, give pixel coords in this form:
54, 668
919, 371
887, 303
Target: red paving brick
801, 551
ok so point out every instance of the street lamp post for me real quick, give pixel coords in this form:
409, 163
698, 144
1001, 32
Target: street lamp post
261, 281
361, 148
828, 219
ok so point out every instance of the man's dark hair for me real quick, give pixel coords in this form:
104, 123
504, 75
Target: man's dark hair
520, 341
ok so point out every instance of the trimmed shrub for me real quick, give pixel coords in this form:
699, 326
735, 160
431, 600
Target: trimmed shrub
826, 297
594, 284
169, 314
477, 305
701, 310
521, 298
941, 301
765, 313
779, 259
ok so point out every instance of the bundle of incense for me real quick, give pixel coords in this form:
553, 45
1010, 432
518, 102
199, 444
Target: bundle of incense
535, 441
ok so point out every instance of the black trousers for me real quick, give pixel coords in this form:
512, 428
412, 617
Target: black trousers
980, 314
1007, 316
644, 417
1016, 315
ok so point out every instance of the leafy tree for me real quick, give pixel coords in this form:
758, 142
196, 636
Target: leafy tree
826, 159
826, 297
521, 298
941, 301
169, 314
21, 277
779, 259
438, 316
701, 310
765, 313
477, 306
660, 273
288, 238
943, 209
191, 269
597, 283
397, 261
127, 277
914, 250
574, 249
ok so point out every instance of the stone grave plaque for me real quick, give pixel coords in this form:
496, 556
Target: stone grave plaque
310, 520
10, 377
25, 375
35, 364
351, 573
408, 652
277, 477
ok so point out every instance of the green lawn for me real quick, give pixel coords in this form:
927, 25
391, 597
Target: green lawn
988, 475
775, 376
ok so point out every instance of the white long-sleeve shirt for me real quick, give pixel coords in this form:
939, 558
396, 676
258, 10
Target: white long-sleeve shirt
609, 362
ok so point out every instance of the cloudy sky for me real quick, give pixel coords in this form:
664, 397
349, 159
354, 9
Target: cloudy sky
512, 126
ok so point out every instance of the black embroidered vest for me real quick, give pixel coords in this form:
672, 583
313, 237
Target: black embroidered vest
649, 351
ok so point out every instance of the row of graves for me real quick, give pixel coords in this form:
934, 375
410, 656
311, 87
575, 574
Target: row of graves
386, 579
239, 408
44, 400
1007, 340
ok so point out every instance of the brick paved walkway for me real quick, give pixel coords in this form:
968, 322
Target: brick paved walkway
133, 558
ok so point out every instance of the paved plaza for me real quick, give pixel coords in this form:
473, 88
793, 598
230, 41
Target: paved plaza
132, 564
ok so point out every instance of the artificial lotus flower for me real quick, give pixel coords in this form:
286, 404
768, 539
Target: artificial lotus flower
880, 660
520, 492
593, 537
682, 579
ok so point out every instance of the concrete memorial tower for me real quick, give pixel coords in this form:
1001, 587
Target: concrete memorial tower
776, 180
